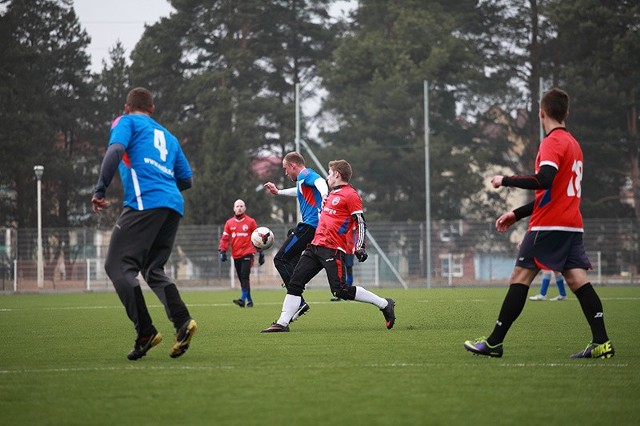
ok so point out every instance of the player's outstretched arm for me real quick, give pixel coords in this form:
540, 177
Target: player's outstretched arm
271, 187
496, 181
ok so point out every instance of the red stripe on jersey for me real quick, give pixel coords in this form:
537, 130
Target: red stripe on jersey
307, 193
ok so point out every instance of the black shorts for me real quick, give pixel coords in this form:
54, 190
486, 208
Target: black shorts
553, 250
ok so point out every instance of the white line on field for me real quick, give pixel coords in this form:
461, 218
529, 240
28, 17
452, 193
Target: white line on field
208, 305
493, 300
319, 366
205, 305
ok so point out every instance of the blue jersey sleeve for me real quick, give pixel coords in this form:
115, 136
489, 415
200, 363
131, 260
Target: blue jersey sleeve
182, 169
121, 131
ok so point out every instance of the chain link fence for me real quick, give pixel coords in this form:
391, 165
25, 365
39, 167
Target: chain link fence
463, 253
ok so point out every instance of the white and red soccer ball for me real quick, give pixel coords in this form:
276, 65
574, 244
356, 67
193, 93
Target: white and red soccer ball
262, 238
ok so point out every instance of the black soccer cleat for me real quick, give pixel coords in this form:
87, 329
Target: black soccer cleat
239, 302
276, 328
302, 309
389, 313
143, 344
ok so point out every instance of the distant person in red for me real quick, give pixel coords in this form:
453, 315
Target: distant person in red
237, 232
341, 211
554, 237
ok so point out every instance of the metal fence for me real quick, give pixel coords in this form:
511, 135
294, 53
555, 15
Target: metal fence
463, 253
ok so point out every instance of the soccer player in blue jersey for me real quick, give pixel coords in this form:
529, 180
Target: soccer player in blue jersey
154, 171
311, 189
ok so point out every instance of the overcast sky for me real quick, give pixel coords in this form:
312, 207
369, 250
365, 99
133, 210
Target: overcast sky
106, 22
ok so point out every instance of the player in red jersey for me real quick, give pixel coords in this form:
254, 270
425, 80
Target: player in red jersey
237, 231
554, 237
342, 209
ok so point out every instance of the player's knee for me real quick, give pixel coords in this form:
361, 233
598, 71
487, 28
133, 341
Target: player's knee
113, 268
345, 293
295, 289
278, 261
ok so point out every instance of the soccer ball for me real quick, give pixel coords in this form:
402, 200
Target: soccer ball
262, 238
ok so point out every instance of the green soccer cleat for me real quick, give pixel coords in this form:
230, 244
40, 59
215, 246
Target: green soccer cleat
482, 347
596, 350
183, 338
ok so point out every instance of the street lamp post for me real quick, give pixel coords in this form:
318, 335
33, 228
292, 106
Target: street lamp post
39, 171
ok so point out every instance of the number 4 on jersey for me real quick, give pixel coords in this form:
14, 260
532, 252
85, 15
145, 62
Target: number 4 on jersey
160, 143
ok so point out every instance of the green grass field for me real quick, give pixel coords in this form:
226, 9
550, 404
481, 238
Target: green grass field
63, 361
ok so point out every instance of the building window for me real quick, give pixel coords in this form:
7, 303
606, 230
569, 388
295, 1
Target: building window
450, 230
451, 262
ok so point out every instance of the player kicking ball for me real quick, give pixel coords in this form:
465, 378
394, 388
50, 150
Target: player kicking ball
341, 210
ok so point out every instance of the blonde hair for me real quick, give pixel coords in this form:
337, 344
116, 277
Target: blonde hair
294, 158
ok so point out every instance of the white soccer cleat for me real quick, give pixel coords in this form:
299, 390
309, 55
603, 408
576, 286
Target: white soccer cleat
538, 297
558, 297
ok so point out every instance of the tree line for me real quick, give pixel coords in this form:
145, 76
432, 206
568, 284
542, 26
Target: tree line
224, 74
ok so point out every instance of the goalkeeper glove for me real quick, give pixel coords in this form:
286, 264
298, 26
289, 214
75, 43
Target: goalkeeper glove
361, 255
223, 255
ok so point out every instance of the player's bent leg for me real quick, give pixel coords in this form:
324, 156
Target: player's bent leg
345, 292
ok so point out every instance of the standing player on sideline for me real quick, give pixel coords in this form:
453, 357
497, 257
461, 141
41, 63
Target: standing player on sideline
310, 189
554, 238
327, 251
237, 231
546, 280
154, 171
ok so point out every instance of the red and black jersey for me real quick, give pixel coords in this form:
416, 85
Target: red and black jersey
558, 208
336, 223
237, 231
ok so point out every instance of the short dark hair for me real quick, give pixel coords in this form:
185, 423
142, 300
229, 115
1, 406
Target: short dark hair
140, 99
342, 167
555, 103
294, 158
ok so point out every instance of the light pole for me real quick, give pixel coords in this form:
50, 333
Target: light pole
39, 171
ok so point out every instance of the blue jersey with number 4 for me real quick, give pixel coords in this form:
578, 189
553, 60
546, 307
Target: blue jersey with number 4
152, 163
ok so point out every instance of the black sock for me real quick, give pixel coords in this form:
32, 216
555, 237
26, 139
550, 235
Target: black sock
592, 308
511, 308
